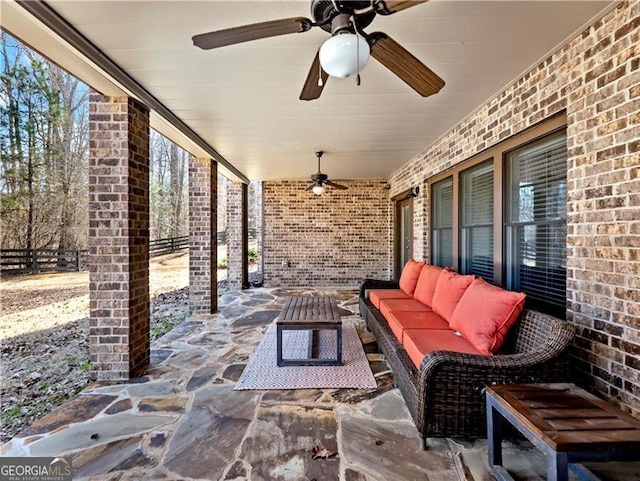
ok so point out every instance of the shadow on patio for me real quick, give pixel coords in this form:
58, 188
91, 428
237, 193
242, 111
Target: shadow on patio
183, 420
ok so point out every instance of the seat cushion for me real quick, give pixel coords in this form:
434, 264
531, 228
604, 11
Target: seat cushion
376, 295
387, 305
401, 320
426, 285
420, 342
409, 276
485, 314
449, 290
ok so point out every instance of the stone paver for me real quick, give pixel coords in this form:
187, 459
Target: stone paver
183, 420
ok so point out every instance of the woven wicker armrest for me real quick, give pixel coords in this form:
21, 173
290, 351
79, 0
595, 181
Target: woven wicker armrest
555, 345
450, 393
369, 284
483, 366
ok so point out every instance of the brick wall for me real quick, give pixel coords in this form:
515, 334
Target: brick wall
595, 78
336, 239
118, 237
203, 248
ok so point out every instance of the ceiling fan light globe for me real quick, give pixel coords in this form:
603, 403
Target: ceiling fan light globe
318, 190
344, 54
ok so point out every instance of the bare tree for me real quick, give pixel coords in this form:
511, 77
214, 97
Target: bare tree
169, 165
44, 165
43, 140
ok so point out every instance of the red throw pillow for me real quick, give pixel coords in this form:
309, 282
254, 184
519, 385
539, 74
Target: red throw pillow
485, 314
449, 289
409, 276
426, 286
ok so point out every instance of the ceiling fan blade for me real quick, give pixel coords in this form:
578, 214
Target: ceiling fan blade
311, 90
387, 7
254, 31
400, 61
336, 186
311, 186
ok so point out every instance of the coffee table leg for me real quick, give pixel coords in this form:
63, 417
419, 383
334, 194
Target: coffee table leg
339, 346
278, 345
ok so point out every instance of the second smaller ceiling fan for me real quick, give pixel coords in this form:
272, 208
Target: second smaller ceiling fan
319, 180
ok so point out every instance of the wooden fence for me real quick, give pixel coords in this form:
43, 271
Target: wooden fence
43, 260
15, 261
66, 260
159, 247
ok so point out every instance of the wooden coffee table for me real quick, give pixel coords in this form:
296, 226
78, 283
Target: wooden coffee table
565, 422
313, 314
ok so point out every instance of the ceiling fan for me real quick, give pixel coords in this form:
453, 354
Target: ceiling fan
345, 20
319, 180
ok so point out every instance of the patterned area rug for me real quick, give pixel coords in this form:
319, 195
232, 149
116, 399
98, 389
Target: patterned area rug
262, 371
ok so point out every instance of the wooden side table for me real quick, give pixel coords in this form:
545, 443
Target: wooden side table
565, 422
313, 314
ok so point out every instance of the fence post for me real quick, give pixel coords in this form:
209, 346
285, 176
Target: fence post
78, 260
34, 261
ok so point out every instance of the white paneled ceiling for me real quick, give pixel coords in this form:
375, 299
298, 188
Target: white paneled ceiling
243, 99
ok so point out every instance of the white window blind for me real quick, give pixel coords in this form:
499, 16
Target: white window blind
476, 223
442, 226
536, 227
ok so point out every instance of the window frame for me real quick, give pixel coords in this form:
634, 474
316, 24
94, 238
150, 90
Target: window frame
497, 154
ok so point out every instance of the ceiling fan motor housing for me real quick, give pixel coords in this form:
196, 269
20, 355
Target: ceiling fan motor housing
323, 10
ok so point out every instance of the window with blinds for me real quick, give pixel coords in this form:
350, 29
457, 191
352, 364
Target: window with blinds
476, 221
442, 223
535, 221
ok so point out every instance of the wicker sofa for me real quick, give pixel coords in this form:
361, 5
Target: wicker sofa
445, 395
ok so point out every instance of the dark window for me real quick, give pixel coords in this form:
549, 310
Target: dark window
476, 221
536, 221
442, 223
502, 215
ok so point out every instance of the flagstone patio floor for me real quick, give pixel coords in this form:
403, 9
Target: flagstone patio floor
184, 421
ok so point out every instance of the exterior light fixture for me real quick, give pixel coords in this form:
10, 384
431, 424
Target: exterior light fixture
344, 54
318, 189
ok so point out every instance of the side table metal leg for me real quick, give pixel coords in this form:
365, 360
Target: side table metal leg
557, 466
494, 435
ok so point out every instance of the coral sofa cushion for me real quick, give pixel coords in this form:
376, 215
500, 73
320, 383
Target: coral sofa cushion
401, 320
420, 342
376, 295
388, 305
426, 286
449, 289
409, 276
485, 314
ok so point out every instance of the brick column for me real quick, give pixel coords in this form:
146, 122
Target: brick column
244, 280
235, 212
256, 220
118, 237
203, 247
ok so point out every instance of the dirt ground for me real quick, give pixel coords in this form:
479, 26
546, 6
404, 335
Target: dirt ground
44, 332
42, 301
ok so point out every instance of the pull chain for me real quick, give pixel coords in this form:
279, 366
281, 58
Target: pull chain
357, 51
320, 82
